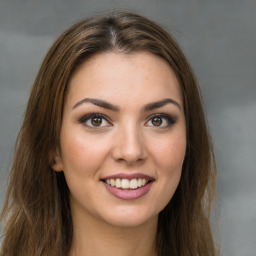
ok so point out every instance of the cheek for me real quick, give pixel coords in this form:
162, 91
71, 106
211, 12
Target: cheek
169, 160
82, 154
169, 154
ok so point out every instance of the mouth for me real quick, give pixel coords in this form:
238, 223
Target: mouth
128, 186
127, 183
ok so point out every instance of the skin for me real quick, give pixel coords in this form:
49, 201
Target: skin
128, 141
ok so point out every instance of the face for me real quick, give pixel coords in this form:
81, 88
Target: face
123, 138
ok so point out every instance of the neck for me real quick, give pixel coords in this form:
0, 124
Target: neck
92, 238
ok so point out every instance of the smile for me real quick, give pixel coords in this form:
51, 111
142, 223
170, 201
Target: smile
126, 183
128, 186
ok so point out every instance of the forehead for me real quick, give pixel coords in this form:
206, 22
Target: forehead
136, 76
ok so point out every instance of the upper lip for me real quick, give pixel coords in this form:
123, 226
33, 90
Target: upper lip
128, 176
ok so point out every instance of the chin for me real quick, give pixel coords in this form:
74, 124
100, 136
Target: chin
129, 218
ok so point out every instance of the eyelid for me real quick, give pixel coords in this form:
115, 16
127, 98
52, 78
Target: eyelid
86, 117
171, 119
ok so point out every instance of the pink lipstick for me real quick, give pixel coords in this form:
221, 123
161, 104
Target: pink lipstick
128, 186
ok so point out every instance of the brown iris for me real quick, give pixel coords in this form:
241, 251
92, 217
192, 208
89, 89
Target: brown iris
96, 121
157, 121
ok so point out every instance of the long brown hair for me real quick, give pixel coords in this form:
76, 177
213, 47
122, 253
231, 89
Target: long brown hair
36, 211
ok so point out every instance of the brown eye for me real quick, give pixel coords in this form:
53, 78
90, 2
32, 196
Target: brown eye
161, 121
157, 121
96, 121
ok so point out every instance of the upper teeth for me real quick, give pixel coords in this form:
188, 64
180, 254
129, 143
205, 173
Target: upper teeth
127, 184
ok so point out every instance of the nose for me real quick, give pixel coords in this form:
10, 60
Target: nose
129, 145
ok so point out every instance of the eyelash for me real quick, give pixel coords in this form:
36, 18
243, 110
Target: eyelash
86, 118
171, 120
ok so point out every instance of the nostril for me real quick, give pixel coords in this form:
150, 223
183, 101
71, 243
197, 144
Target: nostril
130, 154
129, 145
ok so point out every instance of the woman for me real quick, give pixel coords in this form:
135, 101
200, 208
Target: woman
113, 157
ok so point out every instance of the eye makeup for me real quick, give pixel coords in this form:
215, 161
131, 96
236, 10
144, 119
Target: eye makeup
95, 120
157, 120
161, 120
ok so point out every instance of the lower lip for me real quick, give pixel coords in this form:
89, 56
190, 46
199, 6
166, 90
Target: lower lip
128, 194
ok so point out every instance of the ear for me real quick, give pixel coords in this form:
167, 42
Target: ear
57, 165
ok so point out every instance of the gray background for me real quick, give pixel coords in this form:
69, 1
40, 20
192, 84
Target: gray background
219, 39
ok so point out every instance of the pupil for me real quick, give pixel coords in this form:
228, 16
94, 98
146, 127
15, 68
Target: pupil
157, 121
96, 121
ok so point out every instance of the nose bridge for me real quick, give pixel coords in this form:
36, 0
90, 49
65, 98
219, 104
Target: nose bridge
129, 145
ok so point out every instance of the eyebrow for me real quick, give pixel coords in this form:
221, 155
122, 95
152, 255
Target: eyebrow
161, 103
97, 102
107, 105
